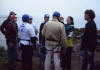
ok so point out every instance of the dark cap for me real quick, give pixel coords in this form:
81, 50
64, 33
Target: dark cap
11, 13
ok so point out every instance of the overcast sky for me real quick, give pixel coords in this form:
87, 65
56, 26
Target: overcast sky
37, 9
40, 7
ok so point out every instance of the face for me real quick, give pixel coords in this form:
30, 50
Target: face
69, 21
46, 19
15, 20
86, 17
30, 21
61, 19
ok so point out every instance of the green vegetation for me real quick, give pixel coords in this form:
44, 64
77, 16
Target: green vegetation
3, 59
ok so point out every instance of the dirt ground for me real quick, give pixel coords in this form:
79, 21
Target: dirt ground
76, 62
38, 64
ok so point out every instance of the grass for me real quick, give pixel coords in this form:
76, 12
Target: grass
3, 58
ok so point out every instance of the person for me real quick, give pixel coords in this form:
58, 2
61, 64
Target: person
11, 33
61, 20
69, 32
55, 36
36, 33
41, 38
89, 40
33, 24
3, 25
27, 42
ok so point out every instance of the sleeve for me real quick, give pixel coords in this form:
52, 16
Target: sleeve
40, 31
32, 31
63, 38
43, 30
36, 30
2, 27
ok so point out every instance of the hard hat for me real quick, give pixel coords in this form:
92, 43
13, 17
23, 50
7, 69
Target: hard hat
25, 17
12, 17
46, 16
57, 14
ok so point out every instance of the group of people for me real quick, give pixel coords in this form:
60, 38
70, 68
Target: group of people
54, 35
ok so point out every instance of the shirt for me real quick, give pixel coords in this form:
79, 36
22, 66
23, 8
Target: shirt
35, 28
26, 31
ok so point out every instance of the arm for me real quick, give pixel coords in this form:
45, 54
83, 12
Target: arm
43, 30
40, 32
63, 38
2, 27
33, 37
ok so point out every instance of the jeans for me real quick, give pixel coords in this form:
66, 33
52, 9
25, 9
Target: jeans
11, 56
88, 61
17, 52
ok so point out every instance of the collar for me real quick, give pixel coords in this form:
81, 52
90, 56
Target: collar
54, 20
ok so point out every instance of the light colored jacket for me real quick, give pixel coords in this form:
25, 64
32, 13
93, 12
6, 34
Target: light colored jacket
54, 33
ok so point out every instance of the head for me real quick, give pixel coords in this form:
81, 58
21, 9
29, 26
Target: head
25, 18
11, 13
89, 15
61, 19
56, 15
46, 17
13, 18
30, 20
70, 20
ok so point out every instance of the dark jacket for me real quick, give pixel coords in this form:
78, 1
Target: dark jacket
11, 32
89, 39
41, 37
3, 26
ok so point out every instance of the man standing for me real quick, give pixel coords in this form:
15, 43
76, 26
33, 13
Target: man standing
55, 36
89, 41
33, 24
3, 26
41, 38
27, 42
11, 39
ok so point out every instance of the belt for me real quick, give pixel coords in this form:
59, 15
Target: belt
51, 40
27, 40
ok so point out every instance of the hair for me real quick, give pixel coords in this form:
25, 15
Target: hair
71, 18
90, 13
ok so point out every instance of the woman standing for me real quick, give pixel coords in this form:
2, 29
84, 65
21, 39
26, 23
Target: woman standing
69, 32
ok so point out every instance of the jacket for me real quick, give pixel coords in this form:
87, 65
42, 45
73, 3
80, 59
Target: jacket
41, 37
69, 32
11, 32
89, 39
54, 33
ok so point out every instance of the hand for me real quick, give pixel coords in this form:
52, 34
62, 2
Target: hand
10, 45
89, 53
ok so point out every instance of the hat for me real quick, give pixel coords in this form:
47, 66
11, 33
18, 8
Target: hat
11, 13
